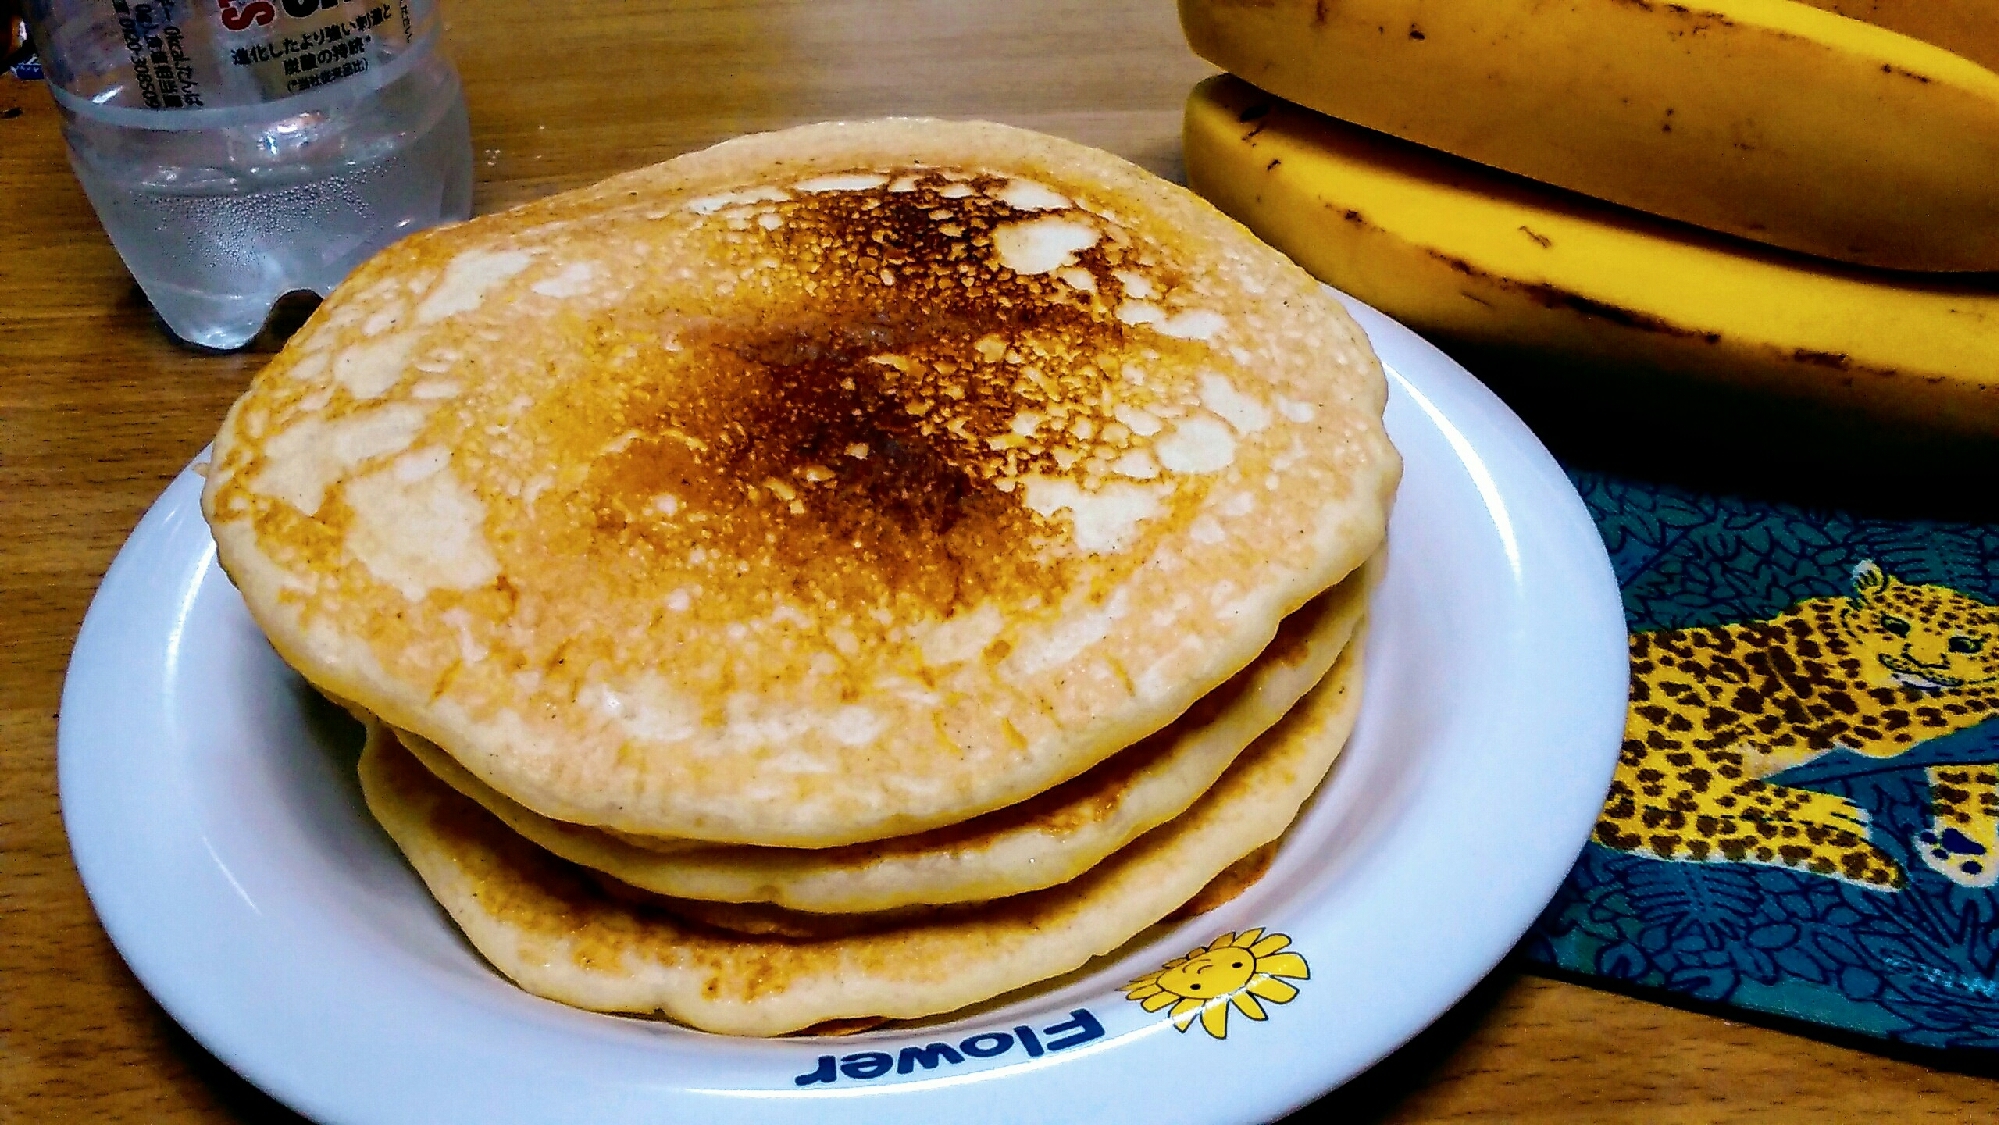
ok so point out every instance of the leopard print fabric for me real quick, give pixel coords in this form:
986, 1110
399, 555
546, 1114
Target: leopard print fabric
1716, 709
1962, 841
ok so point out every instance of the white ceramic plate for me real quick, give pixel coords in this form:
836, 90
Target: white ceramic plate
212, 807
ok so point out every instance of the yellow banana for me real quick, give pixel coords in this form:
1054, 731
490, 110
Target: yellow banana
1965, 27
1491, 262
1768, 119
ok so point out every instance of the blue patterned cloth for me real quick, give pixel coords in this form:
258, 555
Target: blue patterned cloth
1918, 965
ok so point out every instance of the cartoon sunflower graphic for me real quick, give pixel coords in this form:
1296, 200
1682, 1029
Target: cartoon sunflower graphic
1234, 970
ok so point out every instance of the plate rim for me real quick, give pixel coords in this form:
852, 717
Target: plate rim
1467, 408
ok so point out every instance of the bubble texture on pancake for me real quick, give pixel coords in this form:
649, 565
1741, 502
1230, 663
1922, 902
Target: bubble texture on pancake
559, 934
819, 487
1050, 838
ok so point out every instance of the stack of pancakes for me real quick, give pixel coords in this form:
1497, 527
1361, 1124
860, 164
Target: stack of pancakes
846, 573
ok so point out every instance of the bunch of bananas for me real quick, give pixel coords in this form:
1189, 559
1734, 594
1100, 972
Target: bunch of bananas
1784, 196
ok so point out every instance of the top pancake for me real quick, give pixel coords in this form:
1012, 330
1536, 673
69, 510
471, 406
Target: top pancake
823, 486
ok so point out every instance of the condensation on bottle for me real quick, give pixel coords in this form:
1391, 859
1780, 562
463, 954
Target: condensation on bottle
238, 151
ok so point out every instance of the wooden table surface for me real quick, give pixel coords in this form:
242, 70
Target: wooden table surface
99, 408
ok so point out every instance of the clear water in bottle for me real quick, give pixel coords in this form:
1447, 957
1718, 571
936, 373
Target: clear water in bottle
277, 178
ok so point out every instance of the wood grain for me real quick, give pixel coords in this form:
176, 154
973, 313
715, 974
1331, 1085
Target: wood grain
98, 409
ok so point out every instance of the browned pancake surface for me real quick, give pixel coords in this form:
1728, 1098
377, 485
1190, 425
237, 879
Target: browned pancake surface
820, 487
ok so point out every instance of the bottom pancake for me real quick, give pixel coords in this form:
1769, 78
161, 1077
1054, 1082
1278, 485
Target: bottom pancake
560, 934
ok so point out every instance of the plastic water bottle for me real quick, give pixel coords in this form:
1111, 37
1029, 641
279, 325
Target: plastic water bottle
240, 150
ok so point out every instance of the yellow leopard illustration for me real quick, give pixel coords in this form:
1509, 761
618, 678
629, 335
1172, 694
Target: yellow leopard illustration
1962, 840
1716, 709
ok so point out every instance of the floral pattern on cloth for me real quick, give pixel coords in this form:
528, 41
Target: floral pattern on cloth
1911, 955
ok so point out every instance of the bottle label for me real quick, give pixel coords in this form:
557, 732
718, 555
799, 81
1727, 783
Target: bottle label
192, 54
298, 45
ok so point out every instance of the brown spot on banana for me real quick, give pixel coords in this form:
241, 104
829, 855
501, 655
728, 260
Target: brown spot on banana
1682, 11
1555, 297
1838, 361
